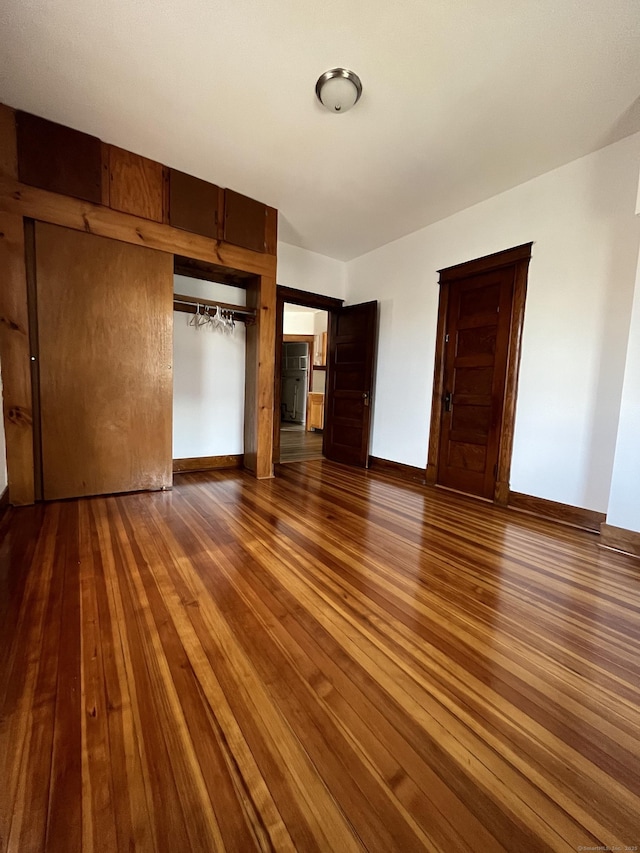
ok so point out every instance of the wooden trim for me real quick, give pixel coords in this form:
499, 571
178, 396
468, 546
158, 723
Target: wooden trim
4, 501
207, 463
397, 469
16, 365
309, 300
22, 200
488, 262
620, 539
433, 453
105, 189
519, 258
34, 348
260, 378
505, 449
8, 143
586, 519
277, 376
296, 297
271, 231
207, 271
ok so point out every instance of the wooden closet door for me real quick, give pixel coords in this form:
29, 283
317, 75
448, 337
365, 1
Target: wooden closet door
105, 326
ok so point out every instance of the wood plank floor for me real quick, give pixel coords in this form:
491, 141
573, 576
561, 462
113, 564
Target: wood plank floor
328, 661
299, 445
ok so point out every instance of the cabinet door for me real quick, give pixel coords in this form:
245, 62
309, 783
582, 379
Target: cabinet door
58, 158
194, 205
245, 221
105, 326
136, 184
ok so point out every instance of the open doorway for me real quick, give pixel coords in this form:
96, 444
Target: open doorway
302, 382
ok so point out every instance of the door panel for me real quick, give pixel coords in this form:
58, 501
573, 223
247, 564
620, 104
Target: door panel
476, 348
352, 341
105, 350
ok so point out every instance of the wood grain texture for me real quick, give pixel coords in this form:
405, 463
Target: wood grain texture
517, 257
260, 378
505, 258
16, 367
136, 184
105, 324
207, 463
521, 271
620, 538
331, 660
437, 393
271, 234
245, 221
353, 333
193, 204
21, 200
58, 158
297, 445
586, 519
475, 353
8, 143
315, 411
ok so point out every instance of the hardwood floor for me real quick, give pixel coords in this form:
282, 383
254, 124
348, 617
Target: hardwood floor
298, 445
328, 661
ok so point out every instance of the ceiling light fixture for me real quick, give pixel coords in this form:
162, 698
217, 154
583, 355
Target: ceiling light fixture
338, 89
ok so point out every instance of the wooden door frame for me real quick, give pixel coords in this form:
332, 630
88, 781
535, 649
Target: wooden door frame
517, 257
308, 300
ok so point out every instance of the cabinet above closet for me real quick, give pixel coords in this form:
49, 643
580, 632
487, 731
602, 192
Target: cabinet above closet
66, 161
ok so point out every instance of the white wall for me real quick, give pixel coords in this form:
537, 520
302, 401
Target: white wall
624, 500
297, 322
208, 379
581, 279
310, 271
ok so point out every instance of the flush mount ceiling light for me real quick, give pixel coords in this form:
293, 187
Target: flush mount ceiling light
338, 89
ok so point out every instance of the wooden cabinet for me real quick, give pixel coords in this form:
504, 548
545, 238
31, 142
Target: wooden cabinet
58, 158
136, 184
69, 162
245, 221
195, 205
315, 411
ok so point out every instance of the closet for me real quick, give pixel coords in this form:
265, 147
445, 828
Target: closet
90, 238
209, 345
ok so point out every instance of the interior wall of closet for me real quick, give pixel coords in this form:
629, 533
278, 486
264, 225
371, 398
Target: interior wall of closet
208, 378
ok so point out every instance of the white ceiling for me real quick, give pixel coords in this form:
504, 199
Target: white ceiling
461, 100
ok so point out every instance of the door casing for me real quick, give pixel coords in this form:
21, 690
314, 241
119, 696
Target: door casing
517, 257
297, 297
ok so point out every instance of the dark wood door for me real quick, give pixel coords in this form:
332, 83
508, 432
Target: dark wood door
105, 326
351, 353
475, 363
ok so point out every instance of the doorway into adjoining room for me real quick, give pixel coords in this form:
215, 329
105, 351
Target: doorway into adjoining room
302, 382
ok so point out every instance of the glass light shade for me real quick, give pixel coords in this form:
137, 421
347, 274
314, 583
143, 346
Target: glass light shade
338, 90
338, 94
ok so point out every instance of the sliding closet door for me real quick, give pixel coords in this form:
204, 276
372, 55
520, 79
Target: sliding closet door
105, 349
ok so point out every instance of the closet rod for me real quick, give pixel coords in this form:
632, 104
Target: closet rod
192, 301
